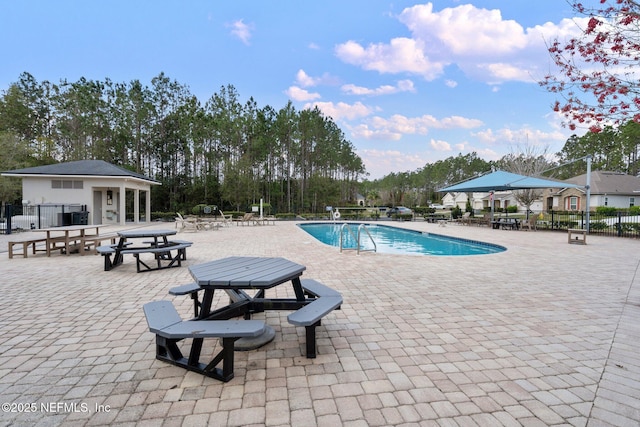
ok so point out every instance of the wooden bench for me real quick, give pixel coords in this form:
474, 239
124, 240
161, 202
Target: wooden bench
579, 234
93, 241
311, 315
164, 321
161, 253
25, 245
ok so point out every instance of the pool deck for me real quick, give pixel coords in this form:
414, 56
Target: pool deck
544, 334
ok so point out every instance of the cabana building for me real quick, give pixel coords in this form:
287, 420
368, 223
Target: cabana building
111, 194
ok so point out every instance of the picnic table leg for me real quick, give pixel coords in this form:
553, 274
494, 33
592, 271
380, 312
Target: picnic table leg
107, 262
205, 305
297, 288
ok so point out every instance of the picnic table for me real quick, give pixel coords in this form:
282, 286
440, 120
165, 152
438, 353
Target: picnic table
70, 235
504, 223
435, 217
157, 243
237, 276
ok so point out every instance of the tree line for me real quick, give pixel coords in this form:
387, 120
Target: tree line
223, 152
232, 154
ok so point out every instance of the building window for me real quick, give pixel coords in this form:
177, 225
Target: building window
632, 201
59, 183
573, 203
606, 201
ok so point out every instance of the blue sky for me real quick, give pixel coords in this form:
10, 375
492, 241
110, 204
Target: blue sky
408, 82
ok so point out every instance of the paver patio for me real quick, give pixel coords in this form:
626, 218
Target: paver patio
545, 333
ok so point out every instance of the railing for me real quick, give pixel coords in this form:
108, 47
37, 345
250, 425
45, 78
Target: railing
619, 224
35, 217
364, 227
356, 237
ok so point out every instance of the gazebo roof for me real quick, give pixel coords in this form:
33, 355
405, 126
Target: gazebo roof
80, 168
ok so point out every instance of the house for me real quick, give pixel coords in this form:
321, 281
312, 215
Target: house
614, 189
112, 194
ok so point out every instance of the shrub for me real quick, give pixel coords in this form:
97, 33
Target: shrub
163, 216
606, 210
456, 212
286, 215
512, 209
598, 225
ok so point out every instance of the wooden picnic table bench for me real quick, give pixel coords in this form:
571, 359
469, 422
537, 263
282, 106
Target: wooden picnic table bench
94, 240
26, 242
164, 321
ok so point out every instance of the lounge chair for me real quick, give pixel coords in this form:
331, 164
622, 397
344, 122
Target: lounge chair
183, 224
226, 220
246, 219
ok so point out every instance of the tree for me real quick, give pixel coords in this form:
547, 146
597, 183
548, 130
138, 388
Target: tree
598, 69
530, 160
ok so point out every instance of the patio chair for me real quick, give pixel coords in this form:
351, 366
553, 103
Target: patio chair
183, 224
226, 219
246, 219
466, 218
530, 223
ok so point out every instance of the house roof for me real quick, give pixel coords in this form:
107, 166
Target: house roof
603, 182
80, 168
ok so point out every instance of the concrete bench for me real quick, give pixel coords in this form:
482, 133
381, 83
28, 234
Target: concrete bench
164, 321
577, 235
25, 245
310, 316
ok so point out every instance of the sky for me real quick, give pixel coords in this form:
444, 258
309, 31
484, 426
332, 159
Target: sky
408, 82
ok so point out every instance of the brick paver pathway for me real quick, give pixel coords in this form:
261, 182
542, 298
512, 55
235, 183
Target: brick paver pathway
544, 334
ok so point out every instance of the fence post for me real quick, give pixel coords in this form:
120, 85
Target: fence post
619, 225
8, 213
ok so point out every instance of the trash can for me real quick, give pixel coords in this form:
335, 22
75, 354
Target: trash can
65, 219
80, 218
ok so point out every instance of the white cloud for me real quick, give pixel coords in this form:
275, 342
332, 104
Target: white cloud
524, 135
379, 162
483, 44
440, 145
305, 80
465, 30
341, 110
400, 55
401, 86
301, 95
242, 31
394, 127
451, 83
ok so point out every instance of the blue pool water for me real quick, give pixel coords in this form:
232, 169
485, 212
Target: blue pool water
396, 240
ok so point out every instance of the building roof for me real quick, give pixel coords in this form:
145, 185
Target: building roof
603, 182
80, 168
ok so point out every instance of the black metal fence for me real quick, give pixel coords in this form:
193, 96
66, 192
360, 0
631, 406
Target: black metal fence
620, 224
16, 218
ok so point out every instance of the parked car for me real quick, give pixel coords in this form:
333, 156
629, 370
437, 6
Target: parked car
436, 206
398, 210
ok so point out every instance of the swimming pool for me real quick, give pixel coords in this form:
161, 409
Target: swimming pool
396, 240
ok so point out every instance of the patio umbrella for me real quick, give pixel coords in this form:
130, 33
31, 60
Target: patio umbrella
503, 181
